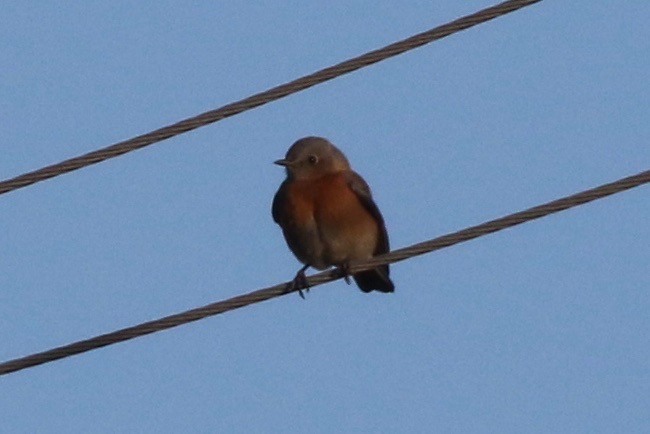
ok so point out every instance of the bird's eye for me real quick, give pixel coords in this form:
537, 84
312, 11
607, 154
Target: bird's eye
312, 159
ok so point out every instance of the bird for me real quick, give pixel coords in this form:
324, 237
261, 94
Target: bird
328, 216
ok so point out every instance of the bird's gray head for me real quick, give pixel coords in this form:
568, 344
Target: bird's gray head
313, 157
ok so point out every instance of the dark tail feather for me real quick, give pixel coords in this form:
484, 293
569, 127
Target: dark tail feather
376, 279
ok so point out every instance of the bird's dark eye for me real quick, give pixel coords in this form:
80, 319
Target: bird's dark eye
312, 159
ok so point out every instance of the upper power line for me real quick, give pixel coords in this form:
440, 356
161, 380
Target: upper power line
261, 98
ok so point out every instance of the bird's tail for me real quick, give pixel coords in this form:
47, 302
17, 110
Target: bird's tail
376, 279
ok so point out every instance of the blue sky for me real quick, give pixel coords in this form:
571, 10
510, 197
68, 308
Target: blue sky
539, 328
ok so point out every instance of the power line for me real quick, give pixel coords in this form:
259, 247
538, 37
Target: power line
262, 98
326, 276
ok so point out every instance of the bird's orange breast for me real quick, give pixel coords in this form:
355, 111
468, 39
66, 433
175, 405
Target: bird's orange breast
328, 199
337, 204
301, 202
346, 229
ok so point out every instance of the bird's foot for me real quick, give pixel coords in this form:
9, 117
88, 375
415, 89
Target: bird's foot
345, 272
299, 282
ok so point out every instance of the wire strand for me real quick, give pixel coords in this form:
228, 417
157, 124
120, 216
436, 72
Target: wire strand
326, 276
262, 98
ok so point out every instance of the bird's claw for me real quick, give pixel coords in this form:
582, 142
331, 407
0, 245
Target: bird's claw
299, 283
345, 272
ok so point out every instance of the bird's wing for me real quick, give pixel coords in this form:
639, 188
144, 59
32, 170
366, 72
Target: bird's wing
362, 190
280, 197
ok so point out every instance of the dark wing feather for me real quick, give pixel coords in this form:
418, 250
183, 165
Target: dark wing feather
378, 278
362, 190
276, 209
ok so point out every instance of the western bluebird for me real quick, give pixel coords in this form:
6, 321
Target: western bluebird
327, 214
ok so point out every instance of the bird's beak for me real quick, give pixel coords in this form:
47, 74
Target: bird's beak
284, 162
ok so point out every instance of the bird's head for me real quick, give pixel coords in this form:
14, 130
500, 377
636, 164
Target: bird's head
313, 157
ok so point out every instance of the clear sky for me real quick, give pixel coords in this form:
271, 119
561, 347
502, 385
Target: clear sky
541, 328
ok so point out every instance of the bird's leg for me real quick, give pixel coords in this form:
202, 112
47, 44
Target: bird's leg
345, 271
300, 281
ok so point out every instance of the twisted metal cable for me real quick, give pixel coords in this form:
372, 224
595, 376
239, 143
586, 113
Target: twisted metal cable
261, 98
324, 277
